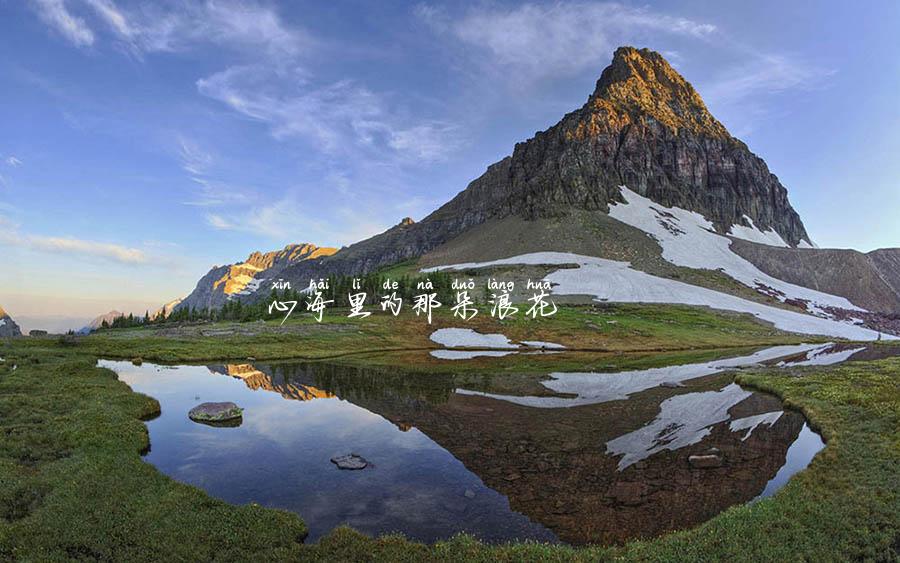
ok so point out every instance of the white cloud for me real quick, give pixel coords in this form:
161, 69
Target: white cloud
544, 40
56, 15
12, 161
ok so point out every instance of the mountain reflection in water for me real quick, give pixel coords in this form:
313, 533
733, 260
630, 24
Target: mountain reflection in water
445, 460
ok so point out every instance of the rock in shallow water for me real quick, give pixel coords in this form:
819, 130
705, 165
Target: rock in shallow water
350, 461
706, 461
216, 412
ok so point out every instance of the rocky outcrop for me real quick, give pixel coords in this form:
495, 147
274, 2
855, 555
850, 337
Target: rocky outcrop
870, 281
245, 278
8, 327
644, 126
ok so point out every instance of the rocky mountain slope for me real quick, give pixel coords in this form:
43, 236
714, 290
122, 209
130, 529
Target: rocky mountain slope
648, 188
870, 280
644, 126
245, 278
8, 327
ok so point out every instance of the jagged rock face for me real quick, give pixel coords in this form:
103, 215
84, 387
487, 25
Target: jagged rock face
8, 327
645, 127
243, 278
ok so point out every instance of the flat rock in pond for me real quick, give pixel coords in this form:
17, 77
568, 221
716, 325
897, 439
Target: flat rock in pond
216, 412
350, 461
671, 384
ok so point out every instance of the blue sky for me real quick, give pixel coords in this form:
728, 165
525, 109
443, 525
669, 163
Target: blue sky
143, 144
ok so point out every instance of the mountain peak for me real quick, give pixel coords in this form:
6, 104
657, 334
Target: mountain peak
640, 82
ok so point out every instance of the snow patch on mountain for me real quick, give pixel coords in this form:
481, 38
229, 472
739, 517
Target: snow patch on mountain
689, 239
753, 234
250, 286
610, 280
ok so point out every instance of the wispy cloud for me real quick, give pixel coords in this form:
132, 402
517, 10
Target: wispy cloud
218, 222
152, 27
540, 41
766, 74
10, 236
56, 15
214, 193
114, 252
335, 117
194, 159
294, 218
210, 192
11, 160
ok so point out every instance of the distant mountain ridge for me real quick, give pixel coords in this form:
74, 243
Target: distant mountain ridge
244, 278
97, 322
8, 327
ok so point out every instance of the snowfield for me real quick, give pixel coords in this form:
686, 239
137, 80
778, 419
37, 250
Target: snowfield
591, 388
610, 280
468, 338
753, 234
689, 239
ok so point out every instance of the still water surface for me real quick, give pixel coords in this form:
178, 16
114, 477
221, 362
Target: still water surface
581, 457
